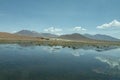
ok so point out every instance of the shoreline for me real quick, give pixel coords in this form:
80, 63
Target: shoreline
59, 42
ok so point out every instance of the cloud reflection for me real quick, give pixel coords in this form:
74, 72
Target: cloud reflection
113, 67
77, 52
112, 62
53, 49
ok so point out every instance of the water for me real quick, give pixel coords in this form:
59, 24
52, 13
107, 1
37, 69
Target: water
19, 62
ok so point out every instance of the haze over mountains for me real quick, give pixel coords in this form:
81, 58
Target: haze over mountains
74, 36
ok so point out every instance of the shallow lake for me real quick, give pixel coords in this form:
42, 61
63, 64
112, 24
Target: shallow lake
19, 62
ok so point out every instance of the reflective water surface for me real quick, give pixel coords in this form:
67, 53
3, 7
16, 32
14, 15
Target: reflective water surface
18, 62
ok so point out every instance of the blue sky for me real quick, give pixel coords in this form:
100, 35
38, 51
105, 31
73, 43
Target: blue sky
61, 16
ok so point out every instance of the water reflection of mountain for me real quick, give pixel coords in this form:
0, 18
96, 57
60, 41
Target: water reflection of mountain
74, 47
97, 48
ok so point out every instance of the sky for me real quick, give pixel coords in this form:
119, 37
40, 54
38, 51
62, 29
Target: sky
61, 16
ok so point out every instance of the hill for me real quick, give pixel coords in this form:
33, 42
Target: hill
9, 36
101, 37
75, 36
34, 34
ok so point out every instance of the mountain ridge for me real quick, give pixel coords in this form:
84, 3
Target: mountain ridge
34, 34
101, 37
74, 36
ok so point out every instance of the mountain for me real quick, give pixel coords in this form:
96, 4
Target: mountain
9, 36
34, 34
28, 33
75, 36
101, 37
48, 35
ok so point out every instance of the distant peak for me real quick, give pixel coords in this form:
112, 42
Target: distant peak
76, 34
24, 30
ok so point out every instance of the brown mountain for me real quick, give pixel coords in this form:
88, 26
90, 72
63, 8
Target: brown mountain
9, 36
75, 36
34, 34
101, 37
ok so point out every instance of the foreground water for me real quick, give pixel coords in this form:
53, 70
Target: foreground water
18, 62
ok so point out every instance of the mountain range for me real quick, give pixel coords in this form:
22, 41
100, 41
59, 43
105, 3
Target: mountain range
74, 36
9, 36
34, 34
101, 37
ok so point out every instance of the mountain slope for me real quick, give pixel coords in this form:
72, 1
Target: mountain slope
28, 33
34, 34
48, 35
75, 36
101, 37
9, 36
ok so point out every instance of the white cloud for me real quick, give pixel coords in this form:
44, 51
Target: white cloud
54, 30
13, 31
78, 28
59, 33
114, 23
